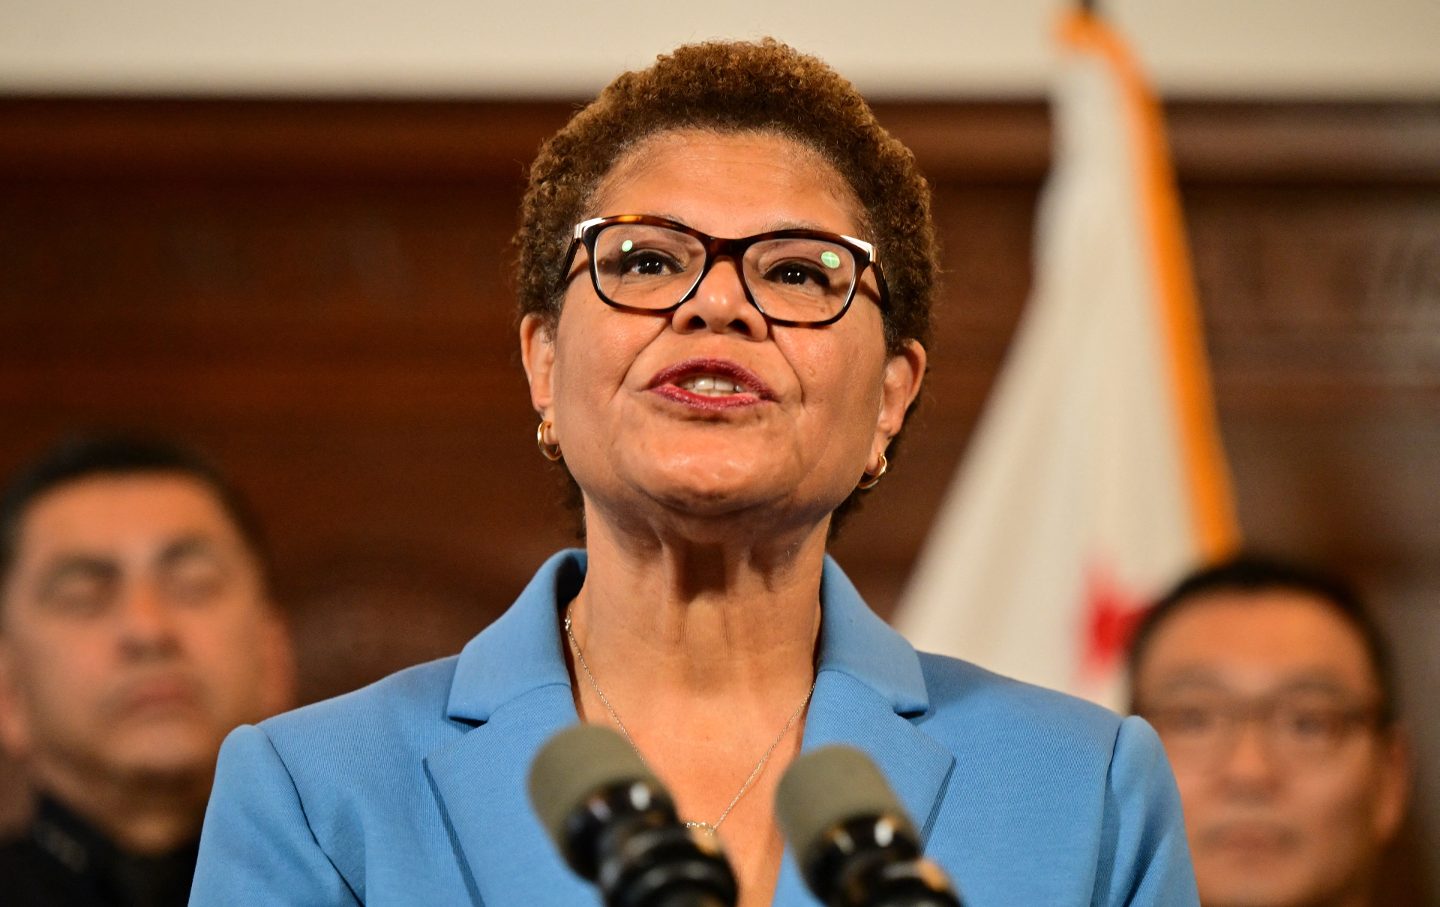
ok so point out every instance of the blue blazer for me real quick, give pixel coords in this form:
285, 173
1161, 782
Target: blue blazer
412, 790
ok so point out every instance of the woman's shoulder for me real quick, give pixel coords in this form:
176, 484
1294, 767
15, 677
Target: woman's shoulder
398, 713
989, 708
1038, 771
306, 791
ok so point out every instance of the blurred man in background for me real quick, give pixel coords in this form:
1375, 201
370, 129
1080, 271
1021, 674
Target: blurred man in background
135, 632
1270, 687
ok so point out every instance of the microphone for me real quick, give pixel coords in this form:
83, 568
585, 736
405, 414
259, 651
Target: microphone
853, 842
616, 825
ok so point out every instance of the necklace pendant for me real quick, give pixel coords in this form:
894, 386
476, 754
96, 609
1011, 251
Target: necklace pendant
705, 827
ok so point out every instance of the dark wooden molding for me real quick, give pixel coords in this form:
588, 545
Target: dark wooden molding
397, 139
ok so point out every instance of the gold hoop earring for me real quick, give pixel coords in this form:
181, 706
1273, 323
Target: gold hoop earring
548, 450
870, 479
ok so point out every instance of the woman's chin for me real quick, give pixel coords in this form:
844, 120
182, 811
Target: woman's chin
707, 474
724, 505
711, 497
701, 494
736, 484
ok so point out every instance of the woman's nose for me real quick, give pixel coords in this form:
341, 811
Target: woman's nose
721, 304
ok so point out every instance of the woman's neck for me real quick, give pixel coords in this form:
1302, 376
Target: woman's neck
701, 617
704, 652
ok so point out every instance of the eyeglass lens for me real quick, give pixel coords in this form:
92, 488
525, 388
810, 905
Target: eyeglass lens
1294, 729
645, 266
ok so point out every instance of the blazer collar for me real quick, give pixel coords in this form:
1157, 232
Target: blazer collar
855, 642
511, 682
521, 651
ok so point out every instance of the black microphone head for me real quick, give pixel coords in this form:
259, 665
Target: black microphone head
573, 765
616, 825
854, 843
829, 786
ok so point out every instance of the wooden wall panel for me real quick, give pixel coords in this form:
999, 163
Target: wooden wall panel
316, 293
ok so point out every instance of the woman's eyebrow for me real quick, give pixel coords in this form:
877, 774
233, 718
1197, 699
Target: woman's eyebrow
795, 225
769, 227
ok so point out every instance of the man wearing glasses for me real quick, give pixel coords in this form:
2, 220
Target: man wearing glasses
1270, 688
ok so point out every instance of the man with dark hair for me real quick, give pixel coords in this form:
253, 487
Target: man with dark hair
1270, 687
135, 631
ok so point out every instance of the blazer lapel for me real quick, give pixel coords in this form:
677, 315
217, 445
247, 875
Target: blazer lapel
916, 766
480, 780
512, 683
869, 686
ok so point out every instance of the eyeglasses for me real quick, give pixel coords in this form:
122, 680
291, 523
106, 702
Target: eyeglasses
1297, 729
794, 277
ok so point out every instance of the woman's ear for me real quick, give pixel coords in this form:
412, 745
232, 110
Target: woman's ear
537, 352
904, 373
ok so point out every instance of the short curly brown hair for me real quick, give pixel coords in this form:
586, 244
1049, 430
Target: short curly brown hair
735, 87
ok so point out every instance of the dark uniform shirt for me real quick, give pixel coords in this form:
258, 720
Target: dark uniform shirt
62, 862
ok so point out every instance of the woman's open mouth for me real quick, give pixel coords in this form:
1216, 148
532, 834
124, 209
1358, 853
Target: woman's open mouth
710, 384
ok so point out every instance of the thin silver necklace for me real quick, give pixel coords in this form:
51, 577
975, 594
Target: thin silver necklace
707, 827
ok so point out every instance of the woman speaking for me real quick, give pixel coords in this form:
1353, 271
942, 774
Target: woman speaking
725, 268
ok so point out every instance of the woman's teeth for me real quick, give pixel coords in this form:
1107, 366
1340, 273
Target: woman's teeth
711, 386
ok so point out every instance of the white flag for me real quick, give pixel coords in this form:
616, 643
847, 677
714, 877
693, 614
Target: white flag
1095, 477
